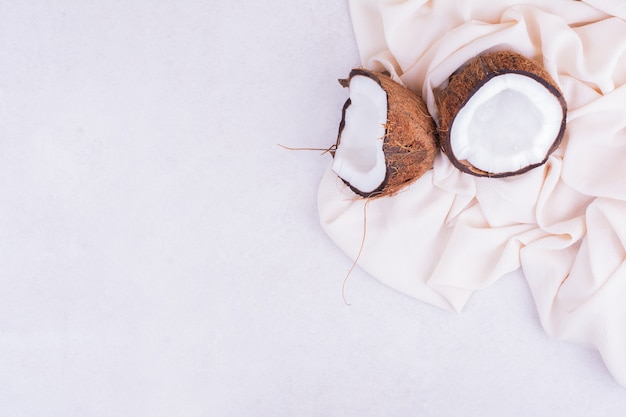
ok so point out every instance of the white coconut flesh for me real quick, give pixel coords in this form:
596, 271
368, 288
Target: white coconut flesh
510, 123
359, 158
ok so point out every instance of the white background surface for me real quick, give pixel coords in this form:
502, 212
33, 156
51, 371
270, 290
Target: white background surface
160, 255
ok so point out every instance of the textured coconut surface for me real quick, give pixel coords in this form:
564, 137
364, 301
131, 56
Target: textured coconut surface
161, 256
410, 143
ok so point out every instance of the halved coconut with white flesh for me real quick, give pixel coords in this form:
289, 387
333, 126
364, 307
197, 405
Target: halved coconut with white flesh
500, 115
386, 137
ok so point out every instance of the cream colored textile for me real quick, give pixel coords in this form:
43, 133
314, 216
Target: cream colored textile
563, 224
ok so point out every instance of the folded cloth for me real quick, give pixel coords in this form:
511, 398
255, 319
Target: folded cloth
564, 223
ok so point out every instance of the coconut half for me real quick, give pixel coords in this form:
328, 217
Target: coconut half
500, 115
386, 137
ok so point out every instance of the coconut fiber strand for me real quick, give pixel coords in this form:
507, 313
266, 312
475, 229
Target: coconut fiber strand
563, 223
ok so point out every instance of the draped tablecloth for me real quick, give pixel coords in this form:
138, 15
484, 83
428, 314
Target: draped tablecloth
564, 223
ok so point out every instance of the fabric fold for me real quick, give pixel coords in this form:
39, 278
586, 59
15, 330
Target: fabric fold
564, 224
400, 254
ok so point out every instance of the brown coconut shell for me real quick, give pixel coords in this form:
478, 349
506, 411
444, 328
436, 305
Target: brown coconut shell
410, 141
470, 78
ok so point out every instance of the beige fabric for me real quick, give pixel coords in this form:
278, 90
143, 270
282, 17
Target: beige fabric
563, 224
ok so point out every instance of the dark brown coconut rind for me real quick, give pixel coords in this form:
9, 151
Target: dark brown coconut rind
410, 141
467, 80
